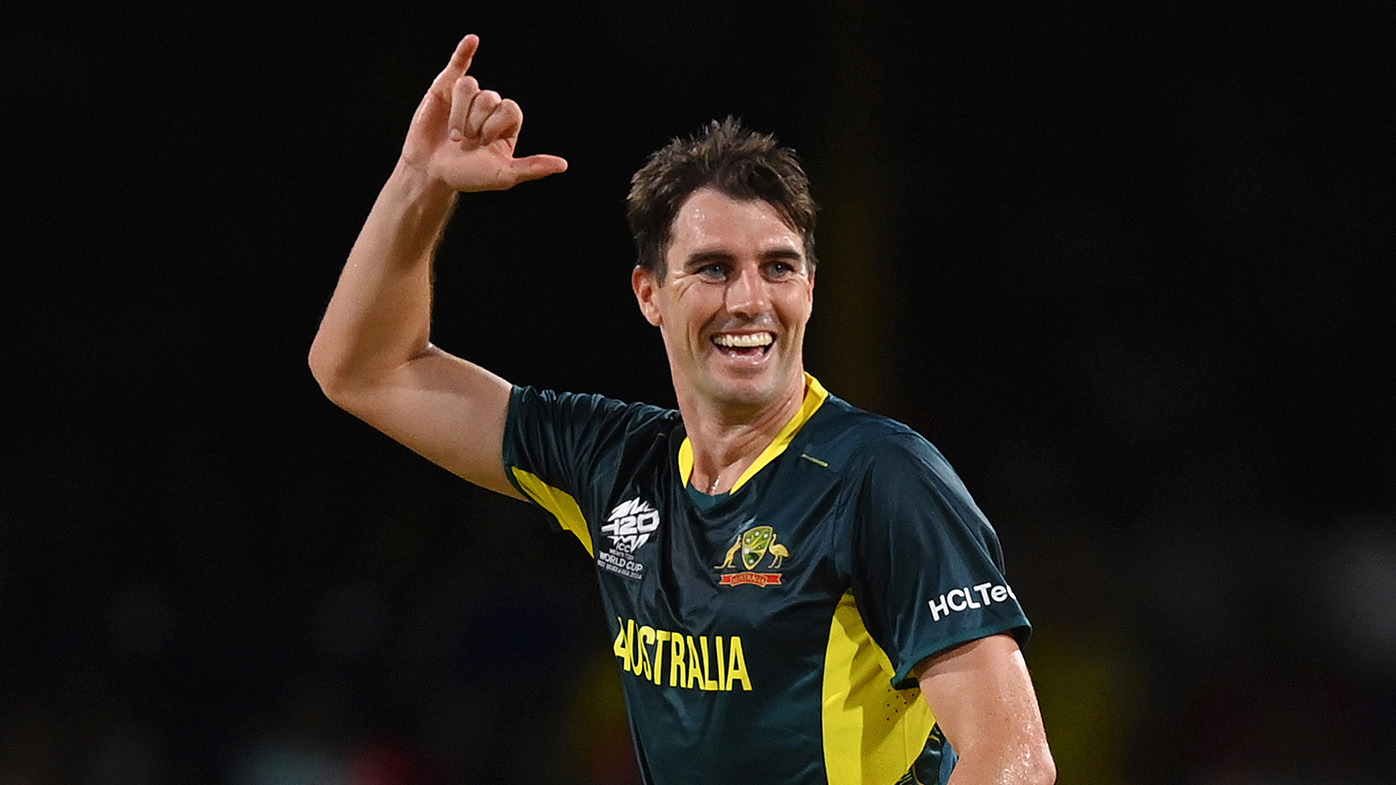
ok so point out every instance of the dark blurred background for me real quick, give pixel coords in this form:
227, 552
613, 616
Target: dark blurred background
1127, 265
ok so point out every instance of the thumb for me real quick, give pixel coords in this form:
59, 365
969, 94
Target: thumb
536, 167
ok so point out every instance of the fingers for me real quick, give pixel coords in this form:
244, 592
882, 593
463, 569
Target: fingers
482, 109
482, 116
503, 122
438, 104
460, 61
463, 94
475, 120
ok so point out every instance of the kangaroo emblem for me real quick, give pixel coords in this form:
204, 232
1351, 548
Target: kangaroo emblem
753, 545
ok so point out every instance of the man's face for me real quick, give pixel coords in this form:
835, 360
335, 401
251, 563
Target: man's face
734, 303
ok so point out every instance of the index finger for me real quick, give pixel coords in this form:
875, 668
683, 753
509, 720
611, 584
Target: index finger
460, 60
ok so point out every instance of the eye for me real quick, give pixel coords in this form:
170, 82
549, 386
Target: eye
780, 269
714, 271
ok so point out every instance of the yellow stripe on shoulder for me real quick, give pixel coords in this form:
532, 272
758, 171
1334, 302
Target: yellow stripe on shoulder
558, 502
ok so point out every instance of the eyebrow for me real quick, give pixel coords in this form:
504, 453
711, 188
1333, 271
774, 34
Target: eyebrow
701, 258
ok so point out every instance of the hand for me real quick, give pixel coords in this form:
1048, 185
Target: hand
464, 137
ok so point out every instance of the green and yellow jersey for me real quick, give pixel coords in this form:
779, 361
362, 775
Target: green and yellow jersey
768, 635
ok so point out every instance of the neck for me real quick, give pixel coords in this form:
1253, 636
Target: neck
727, 442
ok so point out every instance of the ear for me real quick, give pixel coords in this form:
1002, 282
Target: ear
645, 286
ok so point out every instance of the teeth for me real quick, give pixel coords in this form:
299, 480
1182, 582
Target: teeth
743, 341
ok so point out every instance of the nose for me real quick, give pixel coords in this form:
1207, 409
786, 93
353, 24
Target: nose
747, 293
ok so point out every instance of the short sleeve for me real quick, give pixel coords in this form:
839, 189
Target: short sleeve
555, 436
928, 570
560, 449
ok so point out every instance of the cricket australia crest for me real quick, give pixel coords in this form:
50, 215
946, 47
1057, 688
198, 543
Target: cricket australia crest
753, 547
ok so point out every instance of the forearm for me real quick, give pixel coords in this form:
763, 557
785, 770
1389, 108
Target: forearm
380, 314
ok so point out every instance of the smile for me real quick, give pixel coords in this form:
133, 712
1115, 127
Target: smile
744, 344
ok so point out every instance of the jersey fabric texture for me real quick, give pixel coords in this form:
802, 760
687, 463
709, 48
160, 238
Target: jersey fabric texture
768, 635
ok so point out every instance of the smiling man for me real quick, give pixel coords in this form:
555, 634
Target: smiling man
798, 591
731, 296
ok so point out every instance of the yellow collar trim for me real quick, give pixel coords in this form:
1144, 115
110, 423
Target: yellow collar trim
815, 394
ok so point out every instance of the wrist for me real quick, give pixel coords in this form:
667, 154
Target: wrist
416, 184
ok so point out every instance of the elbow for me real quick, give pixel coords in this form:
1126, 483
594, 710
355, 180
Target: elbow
1030, 760
328, 372
345, 378
1042, 770
322, 369
1026, 763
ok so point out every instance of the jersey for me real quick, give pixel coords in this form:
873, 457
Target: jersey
770, 634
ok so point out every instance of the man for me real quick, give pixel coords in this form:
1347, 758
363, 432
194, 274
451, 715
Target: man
801, 592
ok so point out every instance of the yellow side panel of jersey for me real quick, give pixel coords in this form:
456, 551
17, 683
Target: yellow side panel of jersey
558, 502
872, 732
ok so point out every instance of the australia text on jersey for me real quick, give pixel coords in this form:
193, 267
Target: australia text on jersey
715, 663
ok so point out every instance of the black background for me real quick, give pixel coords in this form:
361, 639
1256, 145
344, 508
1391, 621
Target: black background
1126, 265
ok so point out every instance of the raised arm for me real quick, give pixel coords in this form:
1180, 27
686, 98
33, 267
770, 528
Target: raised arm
373, 355
983, 700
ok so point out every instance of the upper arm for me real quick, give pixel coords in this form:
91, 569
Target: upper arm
446, 409
983, 700
926, 565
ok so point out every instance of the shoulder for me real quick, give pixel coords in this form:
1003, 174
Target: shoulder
886, 463
586, 405
861, 441
569, 440
602, 417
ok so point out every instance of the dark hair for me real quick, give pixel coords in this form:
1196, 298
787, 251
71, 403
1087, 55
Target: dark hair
736, 161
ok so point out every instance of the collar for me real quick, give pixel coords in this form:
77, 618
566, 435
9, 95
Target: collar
815, 394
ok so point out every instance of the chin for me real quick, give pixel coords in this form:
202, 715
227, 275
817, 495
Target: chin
747, 392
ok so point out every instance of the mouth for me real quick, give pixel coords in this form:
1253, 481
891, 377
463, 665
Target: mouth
748, 345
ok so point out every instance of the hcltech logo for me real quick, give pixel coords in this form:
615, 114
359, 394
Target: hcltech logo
967, 597
753, 546
629, 526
